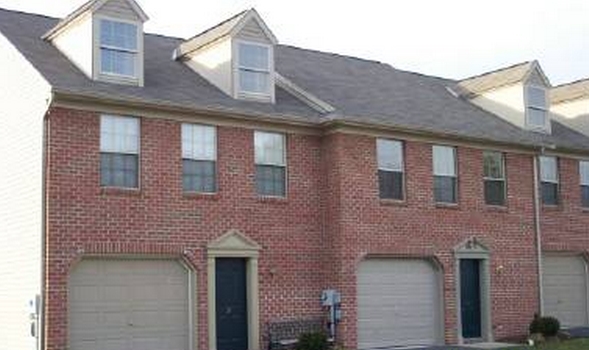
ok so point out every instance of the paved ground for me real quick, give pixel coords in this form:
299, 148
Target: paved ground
485, 346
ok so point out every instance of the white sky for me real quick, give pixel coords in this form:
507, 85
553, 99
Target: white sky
449, 38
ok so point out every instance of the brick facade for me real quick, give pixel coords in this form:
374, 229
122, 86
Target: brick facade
314, 239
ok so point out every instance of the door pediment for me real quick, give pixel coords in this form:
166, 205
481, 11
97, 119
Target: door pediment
235, 244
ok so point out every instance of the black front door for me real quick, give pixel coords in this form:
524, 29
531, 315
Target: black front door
470, 298
231, 304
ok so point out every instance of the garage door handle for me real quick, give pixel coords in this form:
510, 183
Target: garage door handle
130, 324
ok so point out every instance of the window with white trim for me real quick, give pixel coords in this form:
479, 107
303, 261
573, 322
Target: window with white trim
549, 180
199, 158
584, 176
445, 174
254, 68
536, 107
270, 158
119, 151
118, 48
494, 177
389, 154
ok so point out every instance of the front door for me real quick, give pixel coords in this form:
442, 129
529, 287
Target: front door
470, 298
231, 304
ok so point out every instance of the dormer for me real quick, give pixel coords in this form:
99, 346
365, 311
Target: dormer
104, 39
519, 94
237, 56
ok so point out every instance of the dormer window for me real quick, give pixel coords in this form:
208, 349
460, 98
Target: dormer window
118, 48
536, 107
254, 69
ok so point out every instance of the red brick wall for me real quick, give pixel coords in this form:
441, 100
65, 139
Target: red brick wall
83, 219
312, 240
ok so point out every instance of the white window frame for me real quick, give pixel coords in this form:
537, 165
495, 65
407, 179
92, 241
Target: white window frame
213, 158
503, 178
268, 96
284, 157
455, 175
555, 181
136, 79
529, 106
389, 169
581, 182
126, 152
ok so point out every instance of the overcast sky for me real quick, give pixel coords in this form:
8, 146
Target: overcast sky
449, 38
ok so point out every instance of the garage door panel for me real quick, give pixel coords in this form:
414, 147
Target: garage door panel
397, 303
128, 305
565, 290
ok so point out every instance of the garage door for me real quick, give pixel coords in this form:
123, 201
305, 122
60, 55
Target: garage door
128, 305
398, 303
565, 289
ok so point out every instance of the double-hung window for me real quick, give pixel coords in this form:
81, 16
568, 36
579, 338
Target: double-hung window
254, 68
445, 175
118, 48
536, 107
270, 158
494, 177
390, 169
119, 151
199, 158
549, 180
584, 174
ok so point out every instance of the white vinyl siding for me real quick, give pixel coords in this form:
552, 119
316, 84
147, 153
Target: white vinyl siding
270, 159
199, 157
390, 168
549, 180
445, 174
119, 151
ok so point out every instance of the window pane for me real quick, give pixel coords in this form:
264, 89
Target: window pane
253, 56
390, 184
445, 189
269, 148
119, 134
199, 142
584, 172
536, 97
117, 62
536, 117
119, 170
389, 154
549, 193
270, 180
493, 165
199, 176
444, 161
250, 81
118, 34
494, 192
548, 169
585, 196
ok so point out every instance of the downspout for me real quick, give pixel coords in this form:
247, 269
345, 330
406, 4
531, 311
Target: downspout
538, 233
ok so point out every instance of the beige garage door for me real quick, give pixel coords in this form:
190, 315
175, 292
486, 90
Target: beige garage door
398, 303
565, 289
128, 305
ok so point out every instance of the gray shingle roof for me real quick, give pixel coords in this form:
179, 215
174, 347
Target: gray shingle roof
362, 91
570, 91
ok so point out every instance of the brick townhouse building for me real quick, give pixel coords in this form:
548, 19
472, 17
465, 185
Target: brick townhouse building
167, 193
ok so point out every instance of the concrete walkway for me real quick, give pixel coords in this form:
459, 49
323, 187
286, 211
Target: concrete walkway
479, 346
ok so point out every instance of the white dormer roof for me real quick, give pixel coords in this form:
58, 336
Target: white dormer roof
248, 21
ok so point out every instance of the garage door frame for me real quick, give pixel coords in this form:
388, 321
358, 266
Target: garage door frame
585, 258
439, 275
191, 284
473, 249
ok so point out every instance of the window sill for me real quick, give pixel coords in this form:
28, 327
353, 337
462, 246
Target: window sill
447, 205
120, 191
496, 208
585, 209
272, 199
211, 196
393, 202
551, 207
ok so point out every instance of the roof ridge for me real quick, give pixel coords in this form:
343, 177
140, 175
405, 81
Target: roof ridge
582, 80
335, 54
498, 70
28, 13
219, 24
